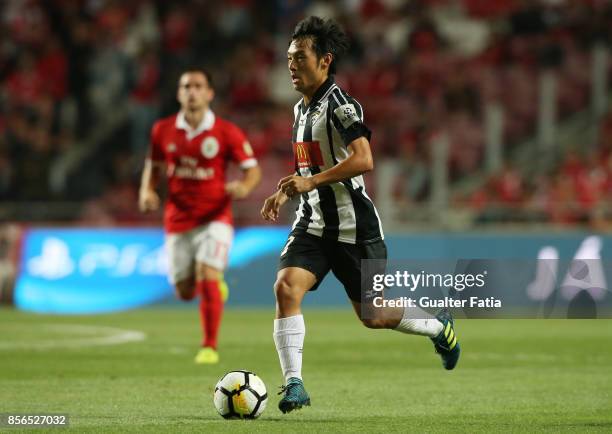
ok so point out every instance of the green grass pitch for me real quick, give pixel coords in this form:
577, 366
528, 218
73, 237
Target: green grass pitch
514, 375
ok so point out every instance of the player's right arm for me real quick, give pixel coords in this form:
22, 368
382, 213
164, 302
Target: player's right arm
272, 206
148, 199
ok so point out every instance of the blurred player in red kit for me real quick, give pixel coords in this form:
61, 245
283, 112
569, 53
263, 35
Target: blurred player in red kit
194, 148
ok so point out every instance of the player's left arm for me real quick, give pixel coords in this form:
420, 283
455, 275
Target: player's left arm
242, 154
242, 188
358, 162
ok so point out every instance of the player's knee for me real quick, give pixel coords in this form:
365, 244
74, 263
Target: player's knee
373, 323
185, 290
284, 292
185, 295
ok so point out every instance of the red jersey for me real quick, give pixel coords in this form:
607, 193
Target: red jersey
196, 161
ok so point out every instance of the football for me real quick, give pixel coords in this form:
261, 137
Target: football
240, 395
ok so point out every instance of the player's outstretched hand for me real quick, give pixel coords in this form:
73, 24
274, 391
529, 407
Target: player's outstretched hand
272, 206
293, 184
148, 200
236, 190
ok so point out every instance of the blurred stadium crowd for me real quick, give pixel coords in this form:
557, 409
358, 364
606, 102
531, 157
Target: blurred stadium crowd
81, 82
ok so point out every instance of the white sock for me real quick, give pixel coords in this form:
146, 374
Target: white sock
418, 322
289, 340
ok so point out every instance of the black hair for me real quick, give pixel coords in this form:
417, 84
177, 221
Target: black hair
202, 71
327, 37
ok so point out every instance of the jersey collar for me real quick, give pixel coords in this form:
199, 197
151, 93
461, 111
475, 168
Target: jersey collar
322, 90
208, 120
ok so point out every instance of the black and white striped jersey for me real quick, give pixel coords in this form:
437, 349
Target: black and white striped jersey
322, 130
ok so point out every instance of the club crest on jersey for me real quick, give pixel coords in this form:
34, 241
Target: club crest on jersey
347, 115
171, 147
307, 154
315, 115
209, 147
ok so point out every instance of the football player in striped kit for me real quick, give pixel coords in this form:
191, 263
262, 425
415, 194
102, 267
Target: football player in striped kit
336, 225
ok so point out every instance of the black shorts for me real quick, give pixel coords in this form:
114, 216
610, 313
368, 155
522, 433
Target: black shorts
319, 256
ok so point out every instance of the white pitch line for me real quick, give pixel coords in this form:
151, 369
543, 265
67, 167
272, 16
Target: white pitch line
94, 336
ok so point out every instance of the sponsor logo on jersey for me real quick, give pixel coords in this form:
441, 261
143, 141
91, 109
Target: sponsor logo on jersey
189, 172
186, 160
209, 147
347, 115
307, 154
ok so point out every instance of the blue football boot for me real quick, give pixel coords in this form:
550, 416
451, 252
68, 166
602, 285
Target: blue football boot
295, 395
445, 343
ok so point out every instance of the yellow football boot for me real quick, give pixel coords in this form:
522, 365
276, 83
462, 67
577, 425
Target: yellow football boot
207, 356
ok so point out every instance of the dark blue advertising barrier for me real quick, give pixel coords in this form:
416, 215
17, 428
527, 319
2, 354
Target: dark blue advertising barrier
536, 272
101, 270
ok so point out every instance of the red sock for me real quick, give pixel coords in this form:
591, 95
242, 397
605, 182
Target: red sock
211, 309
